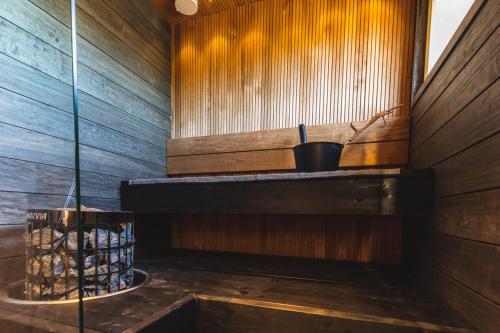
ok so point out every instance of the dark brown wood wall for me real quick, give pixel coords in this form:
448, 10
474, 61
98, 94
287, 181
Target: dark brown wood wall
276, 63
124, 82
375, 239
455, 129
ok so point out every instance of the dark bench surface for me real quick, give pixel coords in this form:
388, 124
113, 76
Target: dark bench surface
353, 192
270, 177
353, 292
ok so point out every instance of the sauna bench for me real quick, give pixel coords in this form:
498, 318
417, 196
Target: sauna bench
354, 192
192, 291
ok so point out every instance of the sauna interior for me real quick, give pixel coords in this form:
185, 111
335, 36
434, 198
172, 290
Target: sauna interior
154, 176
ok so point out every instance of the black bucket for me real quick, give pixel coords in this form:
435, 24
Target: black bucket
317, 156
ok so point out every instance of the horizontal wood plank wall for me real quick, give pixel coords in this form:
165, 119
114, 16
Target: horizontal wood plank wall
277, 63
124, 82
352, 238
271, 150
455, 130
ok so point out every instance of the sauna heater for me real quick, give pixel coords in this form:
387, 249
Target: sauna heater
51, 253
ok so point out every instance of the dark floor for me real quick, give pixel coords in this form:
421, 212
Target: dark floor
236, 293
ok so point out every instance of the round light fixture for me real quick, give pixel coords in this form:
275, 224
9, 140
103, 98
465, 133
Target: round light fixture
186, 7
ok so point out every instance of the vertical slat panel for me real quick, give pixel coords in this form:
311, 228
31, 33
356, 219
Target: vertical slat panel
272, 64
352, 238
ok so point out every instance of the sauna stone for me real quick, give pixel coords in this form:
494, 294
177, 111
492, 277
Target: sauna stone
42, 239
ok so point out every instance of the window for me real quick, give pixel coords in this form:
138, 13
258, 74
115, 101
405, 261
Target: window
445, 17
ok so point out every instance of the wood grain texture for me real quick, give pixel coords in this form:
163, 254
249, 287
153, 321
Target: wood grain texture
459, 259
275, 64
27, 48
271, 150
54, 28
49, 179
33, 84
124, 103
93, 31
225, 314
379, 297
479, 74
392, 153
472, 216
22, 144
283, 217
48, 120
461, 131
368, 239
483, 313
455, 130
14, 204
205, 7
11, 241
368, 194
395, 129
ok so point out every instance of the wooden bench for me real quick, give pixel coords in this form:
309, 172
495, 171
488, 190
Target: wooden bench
270, 151
202, 217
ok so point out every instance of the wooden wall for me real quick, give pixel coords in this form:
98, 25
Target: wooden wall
276, 63
455, 130
351, 238
124, 82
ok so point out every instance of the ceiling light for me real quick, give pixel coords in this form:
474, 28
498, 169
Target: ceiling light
186, 7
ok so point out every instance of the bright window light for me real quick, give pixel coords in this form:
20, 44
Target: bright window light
445, 17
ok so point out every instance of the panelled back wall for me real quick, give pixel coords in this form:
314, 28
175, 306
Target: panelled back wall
276, 63
124, 82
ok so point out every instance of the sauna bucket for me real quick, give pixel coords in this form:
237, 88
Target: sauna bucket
325, 156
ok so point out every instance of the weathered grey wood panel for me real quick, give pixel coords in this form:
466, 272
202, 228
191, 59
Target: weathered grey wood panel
124, 86
48, 179
456, 131
14, 204
91, 30
31, 83
19, 143
25, 47
48, 120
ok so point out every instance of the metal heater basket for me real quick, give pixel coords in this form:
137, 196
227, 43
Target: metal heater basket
51, 253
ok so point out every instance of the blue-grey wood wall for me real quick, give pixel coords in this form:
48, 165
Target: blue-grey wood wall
124, 83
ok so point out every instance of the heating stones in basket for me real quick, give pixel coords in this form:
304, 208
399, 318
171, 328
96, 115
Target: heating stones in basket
51, 253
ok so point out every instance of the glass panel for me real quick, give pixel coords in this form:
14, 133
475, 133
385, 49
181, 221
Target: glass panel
37, 170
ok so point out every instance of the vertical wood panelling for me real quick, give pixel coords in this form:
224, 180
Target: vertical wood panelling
455, 130
124, 82
273, 64
276, 63
351, 238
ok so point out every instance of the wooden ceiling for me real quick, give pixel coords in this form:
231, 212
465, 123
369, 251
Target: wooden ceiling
205, 7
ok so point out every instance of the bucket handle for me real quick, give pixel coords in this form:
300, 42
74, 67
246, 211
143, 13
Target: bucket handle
381, 114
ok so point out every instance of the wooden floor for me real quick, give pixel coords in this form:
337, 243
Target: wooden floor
243, 293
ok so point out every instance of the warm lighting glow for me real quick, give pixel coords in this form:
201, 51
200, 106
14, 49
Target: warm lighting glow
253, 37
186, 7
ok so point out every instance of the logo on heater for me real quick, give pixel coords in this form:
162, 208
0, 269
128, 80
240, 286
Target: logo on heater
37, 216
